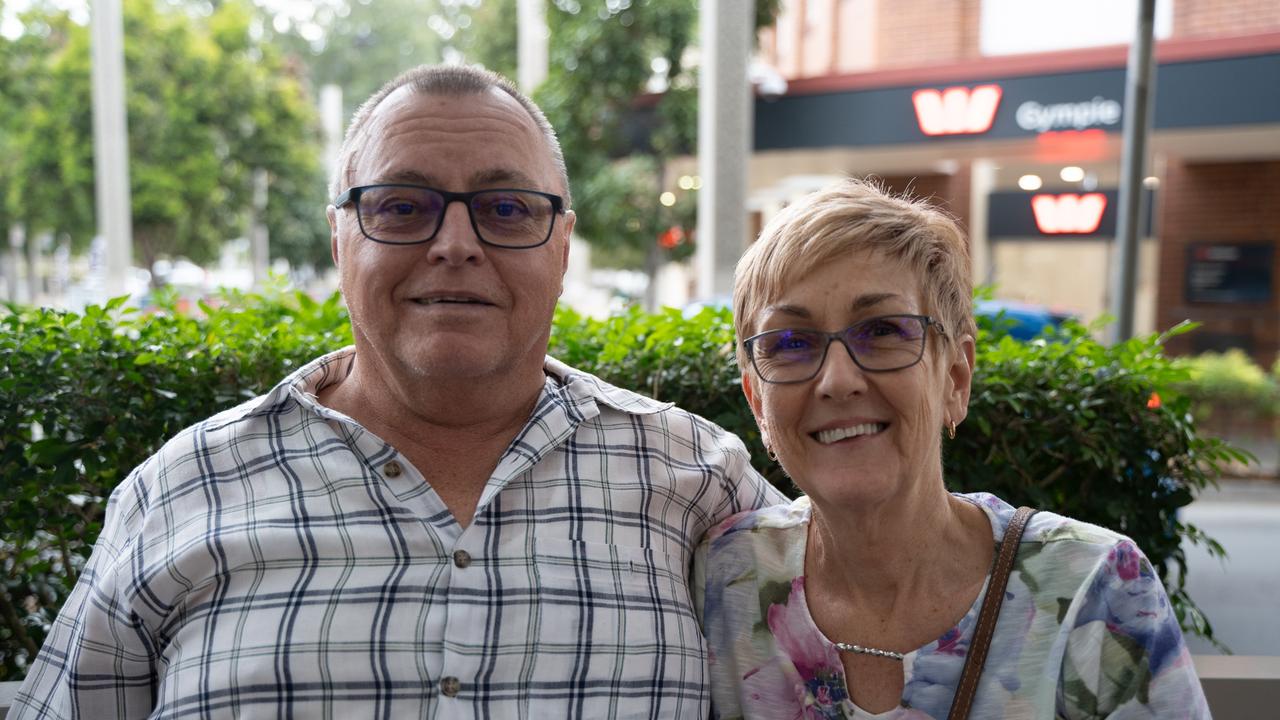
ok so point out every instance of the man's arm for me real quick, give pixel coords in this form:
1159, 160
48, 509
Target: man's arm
98, 659
745, 489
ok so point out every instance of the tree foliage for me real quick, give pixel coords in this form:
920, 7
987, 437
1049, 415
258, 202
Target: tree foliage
359, 45
207, 104
616, 137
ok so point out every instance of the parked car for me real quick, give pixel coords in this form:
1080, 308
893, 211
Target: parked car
1022, 321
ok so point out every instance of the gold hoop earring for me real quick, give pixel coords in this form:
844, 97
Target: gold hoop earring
772, 455
951, 431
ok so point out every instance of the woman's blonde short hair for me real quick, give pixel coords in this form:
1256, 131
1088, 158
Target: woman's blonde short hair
850, 217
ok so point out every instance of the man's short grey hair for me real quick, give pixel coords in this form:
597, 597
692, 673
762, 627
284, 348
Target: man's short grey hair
449, 81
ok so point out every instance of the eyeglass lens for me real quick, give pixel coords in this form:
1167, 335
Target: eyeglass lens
883, 343
411, 215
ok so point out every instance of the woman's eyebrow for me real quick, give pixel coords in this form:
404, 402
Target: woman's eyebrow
863, 302
796, 310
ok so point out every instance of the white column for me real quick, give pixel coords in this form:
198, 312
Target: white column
724, 141
331, 121
258, 230
17, 238
111, 143
982, 181
531, 43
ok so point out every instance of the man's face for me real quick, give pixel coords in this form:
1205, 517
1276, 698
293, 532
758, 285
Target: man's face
452, 308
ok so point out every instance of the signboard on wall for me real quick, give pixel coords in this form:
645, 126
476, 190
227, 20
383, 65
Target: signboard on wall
1059, 215
1229, 272
1204, 93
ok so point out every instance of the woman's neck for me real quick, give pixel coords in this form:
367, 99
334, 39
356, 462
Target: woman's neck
884, 556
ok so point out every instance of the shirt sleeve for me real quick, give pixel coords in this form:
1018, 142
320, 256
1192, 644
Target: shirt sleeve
1125, 656
744, 488
98, 659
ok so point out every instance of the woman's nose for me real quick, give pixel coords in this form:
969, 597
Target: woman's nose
839, 377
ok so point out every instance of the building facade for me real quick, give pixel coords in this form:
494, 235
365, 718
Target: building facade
1009, 113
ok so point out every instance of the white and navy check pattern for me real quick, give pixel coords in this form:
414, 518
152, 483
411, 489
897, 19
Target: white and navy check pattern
278, 560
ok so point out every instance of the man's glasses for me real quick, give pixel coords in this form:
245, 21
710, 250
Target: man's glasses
878, 344
412, 214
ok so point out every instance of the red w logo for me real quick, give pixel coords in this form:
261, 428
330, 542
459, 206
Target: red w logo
1070, 213
957, 110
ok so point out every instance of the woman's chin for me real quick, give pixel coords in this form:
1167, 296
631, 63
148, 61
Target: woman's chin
849, 492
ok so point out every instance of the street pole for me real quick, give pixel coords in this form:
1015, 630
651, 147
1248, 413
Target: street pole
331, 121
258, 236
724, 142
531, 44
1139, 87
111, 143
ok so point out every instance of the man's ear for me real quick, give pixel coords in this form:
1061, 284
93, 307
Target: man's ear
960, 378
570, 219
331, 213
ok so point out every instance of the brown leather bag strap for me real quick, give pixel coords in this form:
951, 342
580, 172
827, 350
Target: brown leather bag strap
977, 654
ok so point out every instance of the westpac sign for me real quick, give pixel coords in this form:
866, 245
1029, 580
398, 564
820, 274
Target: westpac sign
956, 110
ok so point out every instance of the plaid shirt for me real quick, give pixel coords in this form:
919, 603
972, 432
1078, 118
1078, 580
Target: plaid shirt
279, 560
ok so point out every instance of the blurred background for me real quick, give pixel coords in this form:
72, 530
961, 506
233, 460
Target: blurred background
1007, 113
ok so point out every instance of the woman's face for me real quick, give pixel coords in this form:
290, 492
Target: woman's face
892, 420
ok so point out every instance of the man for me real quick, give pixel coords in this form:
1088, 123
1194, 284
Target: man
440, 522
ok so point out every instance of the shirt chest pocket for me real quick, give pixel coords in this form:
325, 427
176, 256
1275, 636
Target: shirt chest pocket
617, 623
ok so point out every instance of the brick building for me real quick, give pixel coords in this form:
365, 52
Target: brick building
1009, 113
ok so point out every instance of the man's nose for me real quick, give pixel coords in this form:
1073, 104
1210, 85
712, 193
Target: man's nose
456, 242
840, 377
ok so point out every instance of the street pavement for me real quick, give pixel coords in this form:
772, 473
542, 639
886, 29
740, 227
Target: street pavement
1241, 595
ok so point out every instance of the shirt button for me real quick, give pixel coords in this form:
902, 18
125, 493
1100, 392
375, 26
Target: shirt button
392, 469
450, 686
461, 558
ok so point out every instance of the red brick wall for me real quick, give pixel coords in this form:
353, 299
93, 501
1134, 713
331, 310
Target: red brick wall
926, 32
1219, 202
1223, 18
949, 192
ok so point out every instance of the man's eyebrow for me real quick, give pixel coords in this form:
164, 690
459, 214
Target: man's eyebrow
493, 177
411, 177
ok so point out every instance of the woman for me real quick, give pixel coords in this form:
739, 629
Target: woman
860, 599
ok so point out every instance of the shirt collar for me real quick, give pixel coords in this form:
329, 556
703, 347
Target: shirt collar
575, 392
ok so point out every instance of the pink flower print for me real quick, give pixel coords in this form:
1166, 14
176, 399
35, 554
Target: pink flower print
1126, 560
949, 643
799, 639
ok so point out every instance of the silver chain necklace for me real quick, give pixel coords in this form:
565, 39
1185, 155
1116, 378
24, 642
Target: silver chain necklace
860, 650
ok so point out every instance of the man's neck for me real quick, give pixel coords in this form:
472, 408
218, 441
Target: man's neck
453, 431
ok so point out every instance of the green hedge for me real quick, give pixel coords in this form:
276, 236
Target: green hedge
1062, 424
1232, 380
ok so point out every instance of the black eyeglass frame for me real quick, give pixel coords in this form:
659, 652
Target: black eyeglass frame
925, 320
352, 196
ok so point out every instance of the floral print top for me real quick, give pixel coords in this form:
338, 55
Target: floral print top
1085, 631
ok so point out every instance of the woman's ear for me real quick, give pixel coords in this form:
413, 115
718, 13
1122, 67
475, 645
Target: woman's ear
960, 378
753, 399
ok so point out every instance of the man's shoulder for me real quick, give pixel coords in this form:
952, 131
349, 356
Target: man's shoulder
583, 384
255, 420
617, 407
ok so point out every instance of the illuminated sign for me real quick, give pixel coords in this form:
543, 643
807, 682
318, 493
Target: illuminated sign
1099, 111
1069, 213
956, 110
